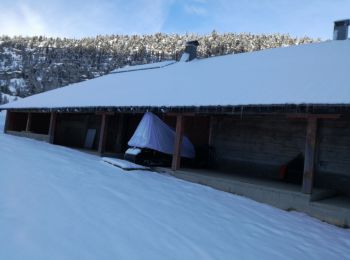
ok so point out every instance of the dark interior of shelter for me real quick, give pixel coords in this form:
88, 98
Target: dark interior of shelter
40, 123
17, 121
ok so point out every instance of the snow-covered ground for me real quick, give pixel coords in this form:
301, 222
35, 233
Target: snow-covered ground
2, 121
58, 203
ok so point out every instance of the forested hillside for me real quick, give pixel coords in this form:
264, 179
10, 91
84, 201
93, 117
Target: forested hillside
30, 65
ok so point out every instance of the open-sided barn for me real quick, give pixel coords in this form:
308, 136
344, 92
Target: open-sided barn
280, 114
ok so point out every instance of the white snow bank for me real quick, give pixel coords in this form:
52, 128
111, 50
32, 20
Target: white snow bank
2, 121
57, 203
125, 165
144, 66
312, 74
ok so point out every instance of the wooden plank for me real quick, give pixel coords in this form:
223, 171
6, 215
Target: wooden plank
318, 116
29, 122
310, 152
102, 141
175, 165
52, 127
272, 141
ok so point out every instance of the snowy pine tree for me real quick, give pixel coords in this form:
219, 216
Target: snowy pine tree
5, 100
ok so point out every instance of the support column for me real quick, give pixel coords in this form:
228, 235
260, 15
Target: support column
102, 141
29, 122
210, 136
52, 127
310, 151
120, 133
178, 143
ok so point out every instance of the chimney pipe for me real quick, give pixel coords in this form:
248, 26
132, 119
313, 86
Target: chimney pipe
190, 52
341, 29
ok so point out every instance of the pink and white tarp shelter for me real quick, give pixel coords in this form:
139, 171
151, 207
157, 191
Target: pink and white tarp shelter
154, 134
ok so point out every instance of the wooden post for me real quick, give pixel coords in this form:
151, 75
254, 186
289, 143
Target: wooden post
120, 133
175, 165
29, 122
102, 141
210, 135
52, 127
311, 146
310, 151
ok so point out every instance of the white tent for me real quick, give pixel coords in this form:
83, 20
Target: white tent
154, 134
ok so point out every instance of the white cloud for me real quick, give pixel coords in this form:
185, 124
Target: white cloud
195, 9
86, 18
21, 20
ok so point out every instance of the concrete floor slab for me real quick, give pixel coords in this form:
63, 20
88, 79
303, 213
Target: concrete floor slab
286, 196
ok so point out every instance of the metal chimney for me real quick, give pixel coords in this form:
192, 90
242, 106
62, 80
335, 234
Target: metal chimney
190, 52
341, 29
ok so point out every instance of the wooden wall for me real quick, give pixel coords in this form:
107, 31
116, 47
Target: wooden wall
72, 128
259, 145
120, 128
112, 132
333, 157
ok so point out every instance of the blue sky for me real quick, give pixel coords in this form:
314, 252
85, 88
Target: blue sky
79, 18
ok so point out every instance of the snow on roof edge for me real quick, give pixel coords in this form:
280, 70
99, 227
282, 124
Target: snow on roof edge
147, 66
164, 108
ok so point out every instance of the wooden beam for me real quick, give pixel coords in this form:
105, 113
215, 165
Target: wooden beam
86, 124
52, 127
183, 114
310, 152
102, 141
104, 113
175, 165
317, 116
29, 122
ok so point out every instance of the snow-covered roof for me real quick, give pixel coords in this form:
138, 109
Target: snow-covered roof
155, 65
306, 74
